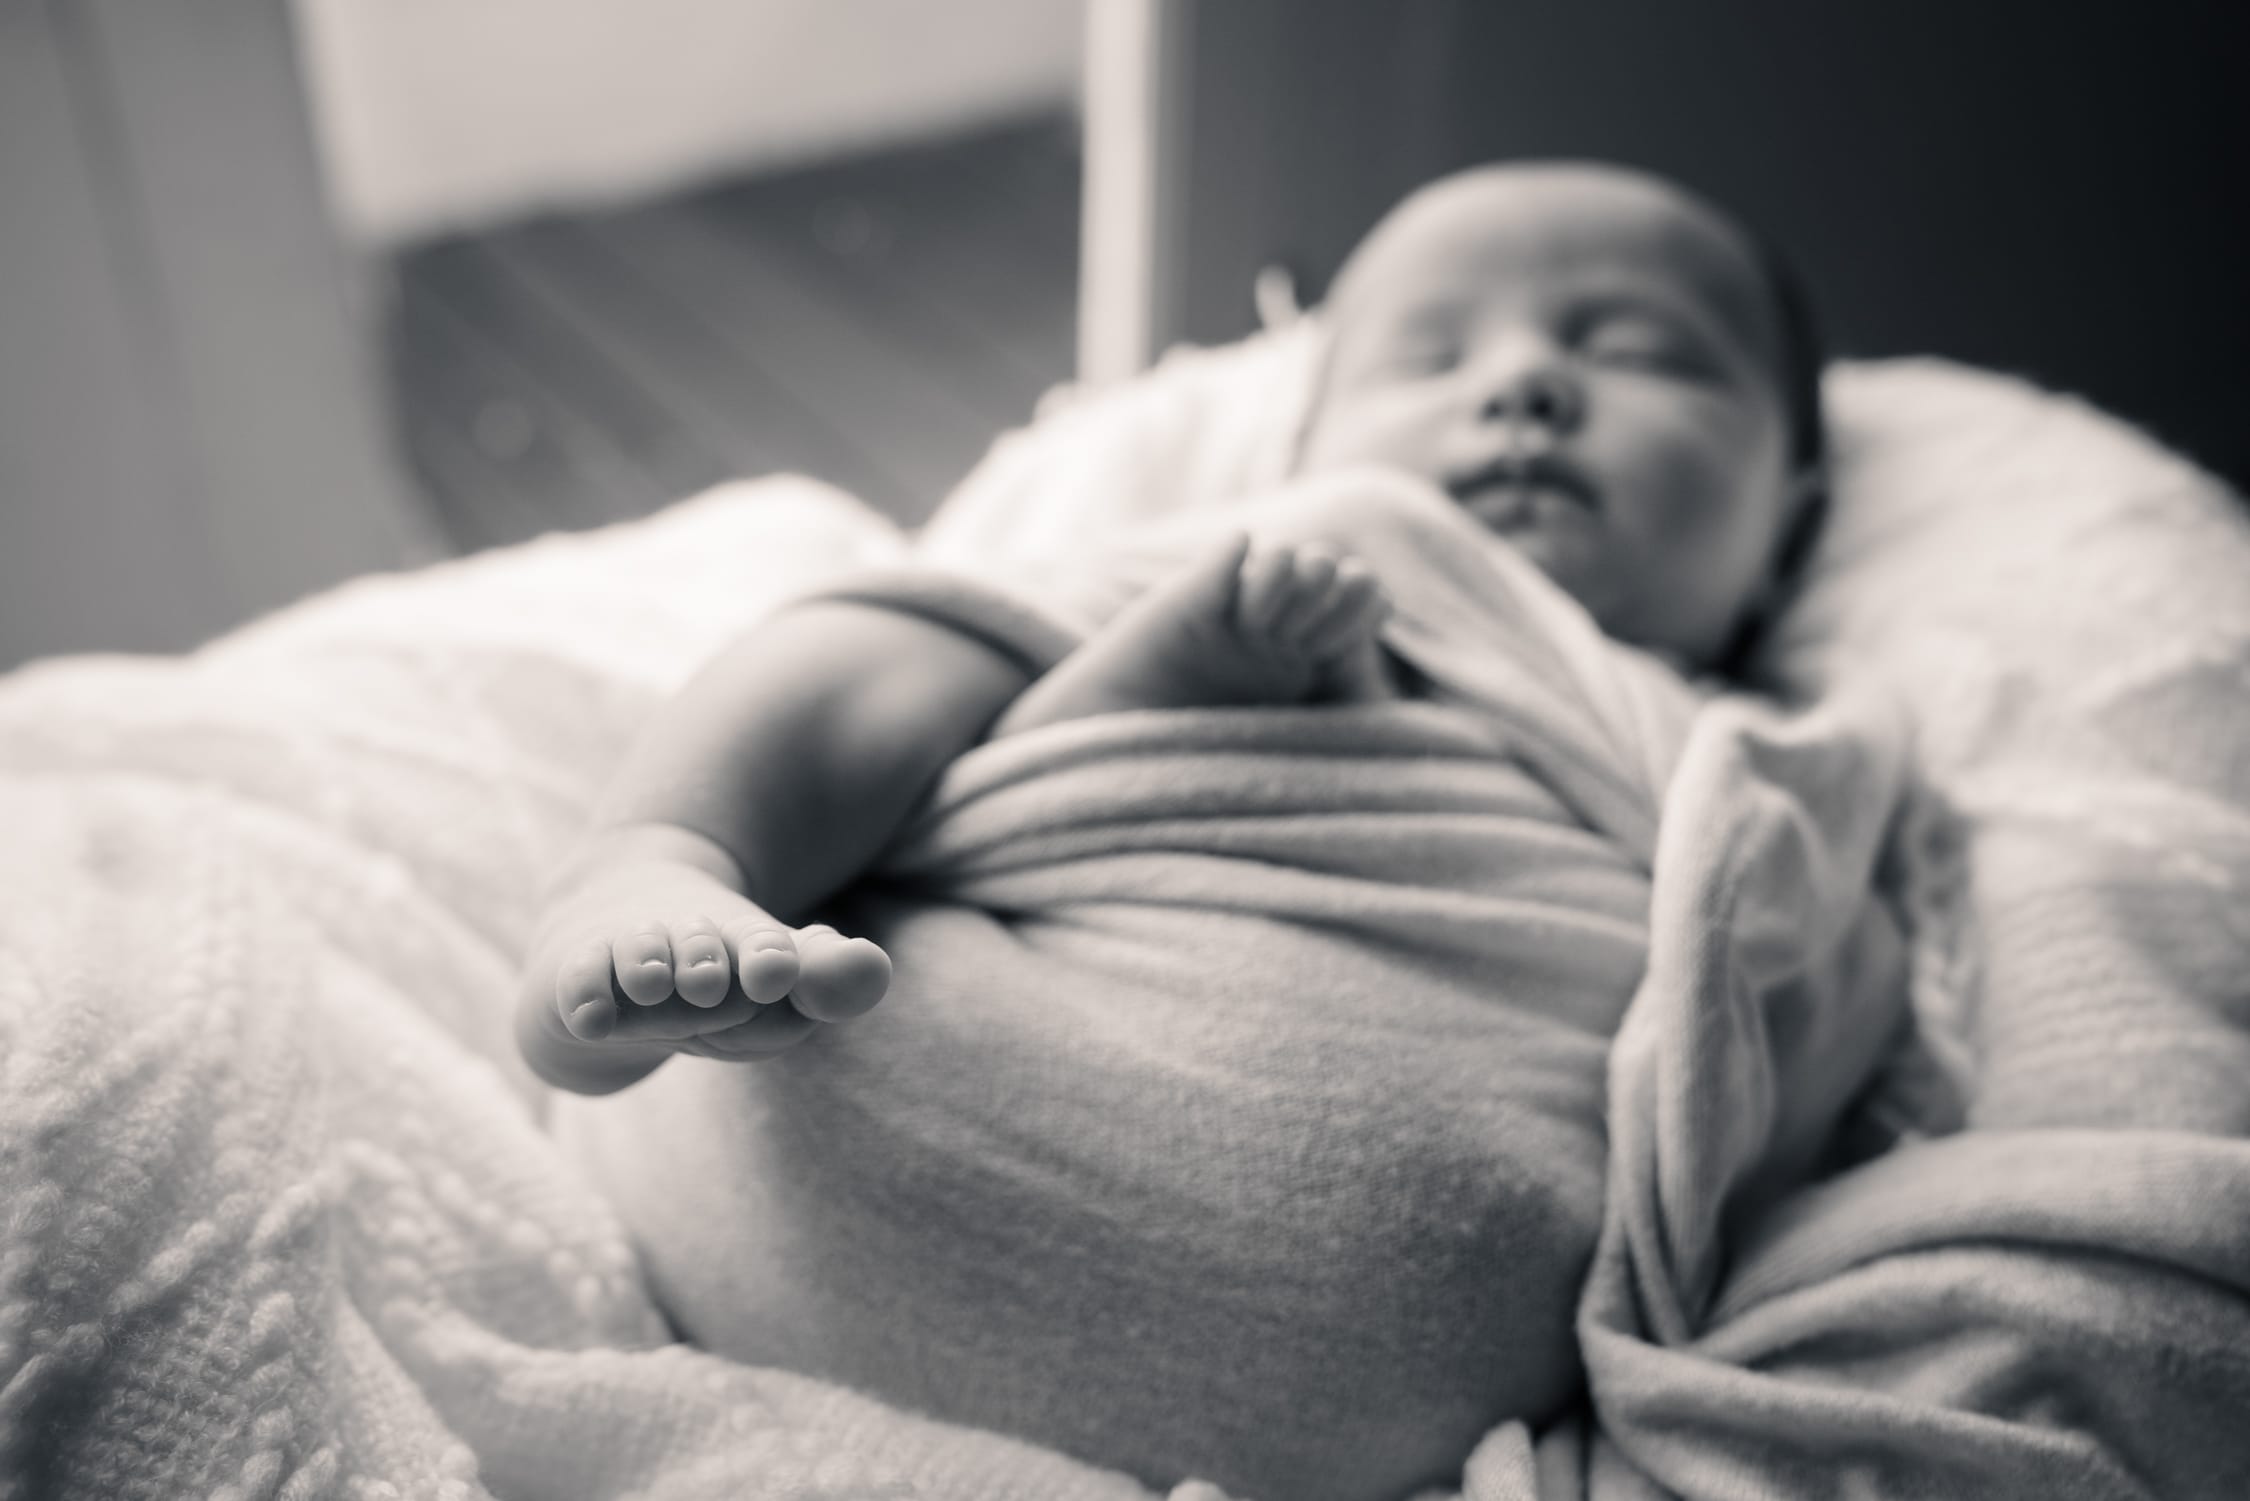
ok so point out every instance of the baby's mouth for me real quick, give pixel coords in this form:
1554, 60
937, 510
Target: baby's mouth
1512, 489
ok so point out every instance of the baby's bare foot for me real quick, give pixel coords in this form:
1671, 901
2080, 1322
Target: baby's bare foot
670, 981
656, 953
1285, 624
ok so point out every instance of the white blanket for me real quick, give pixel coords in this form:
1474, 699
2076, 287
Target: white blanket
279, 1220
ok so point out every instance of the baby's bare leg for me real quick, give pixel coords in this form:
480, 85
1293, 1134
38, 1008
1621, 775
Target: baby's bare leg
764, 787
1288, 624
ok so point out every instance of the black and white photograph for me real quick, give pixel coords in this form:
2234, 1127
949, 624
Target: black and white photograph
1124, 750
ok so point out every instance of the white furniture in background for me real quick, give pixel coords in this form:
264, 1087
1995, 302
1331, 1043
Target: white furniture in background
445, 114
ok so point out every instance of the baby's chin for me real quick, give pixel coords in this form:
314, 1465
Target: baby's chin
1559, 534
1571, 553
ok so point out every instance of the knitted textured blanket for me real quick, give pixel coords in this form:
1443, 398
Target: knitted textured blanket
277, 1218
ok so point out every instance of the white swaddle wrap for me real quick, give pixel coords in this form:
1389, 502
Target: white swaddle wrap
1237, 1108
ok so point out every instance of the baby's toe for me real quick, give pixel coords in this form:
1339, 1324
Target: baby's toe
644, 964
701, 973
583, 996
842, 977
765, 958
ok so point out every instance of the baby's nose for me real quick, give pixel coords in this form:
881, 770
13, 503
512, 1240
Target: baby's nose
1543, 395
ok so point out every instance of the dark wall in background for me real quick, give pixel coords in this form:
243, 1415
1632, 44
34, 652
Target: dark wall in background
2057, 189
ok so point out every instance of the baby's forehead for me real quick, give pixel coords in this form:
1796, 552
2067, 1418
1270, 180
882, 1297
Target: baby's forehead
1555, 229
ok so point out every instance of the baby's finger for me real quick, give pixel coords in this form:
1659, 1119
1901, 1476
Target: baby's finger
773, 1029
1262, 588
582, 994
765, 958
841, 977
644, 964
1222, 565
701, 972
1358, 607
1308, 592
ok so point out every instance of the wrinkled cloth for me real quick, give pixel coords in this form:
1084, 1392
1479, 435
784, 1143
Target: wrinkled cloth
1243, 1066
2041, 1293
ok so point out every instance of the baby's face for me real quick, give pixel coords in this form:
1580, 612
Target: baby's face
1586, 360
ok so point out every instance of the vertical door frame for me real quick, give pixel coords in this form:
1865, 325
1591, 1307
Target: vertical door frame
1136, 92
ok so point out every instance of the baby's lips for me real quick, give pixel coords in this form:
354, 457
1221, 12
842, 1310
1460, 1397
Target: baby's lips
1500, 506
1507, 487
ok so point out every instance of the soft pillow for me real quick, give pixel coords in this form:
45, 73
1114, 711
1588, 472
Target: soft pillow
2065, 608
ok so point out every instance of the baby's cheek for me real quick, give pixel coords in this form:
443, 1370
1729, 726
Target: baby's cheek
1686, 501
1704, 567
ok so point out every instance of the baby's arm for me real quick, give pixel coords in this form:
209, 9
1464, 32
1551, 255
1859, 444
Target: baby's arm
760, 790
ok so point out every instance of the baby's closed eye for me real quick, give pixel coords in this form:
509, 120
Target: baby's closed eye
1644, 341
1417, 355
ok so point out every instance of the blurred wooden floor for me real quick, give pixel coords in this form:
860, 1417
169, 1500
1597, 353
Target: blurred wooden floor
873, 322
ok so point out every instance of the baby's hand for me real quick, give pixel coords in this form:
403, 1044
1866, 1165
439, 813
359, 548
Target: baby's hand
653, 953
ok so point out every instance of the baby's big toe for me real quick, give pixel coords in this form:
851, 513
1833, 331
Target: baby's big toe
582, 994
842, 977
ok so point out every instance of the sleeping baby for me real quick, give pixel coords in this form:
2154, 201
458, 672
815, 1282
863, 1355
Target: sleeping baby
1263, 887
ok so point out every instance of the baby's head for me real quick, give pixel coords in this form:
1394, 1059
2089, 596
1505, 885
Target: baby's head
1607, 371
